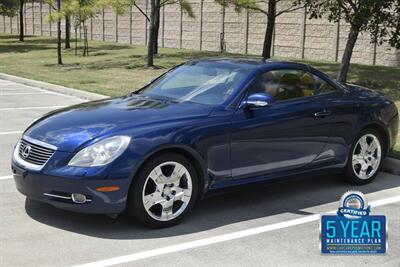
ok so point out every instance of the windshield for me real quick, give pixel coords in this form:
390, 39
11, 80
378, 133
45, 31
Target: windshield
208, 83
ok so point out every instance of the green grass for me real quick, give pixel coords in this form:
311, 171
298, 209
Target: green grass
116, 69
111, 69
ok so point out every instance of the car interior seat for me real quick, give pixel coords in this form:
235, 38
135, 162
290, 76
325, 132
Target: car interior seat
289, 86
307, 81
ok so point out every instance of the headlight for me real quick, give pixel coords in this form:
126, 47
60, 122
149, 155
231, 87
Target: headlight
101, 153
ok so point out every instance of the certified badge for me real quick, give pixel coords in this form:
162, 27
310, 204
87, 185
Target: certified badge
353, 205
353, 230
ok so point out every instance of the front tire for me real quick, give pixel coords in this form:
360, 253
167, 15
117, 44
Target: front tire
365, 157
164, 191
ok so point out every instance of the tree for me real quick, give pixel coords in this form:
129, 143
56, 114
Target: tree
77, 12
381, 18
274, 9
21, 20
10, 8
56, 17
155, 7
122, 6
67, 32
59, 59
154, 21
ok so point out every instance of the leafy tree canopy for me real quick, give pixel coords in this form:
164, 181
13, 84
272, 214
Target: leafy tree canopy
261, 6
78, 10
122, 6
9, 7
381, 18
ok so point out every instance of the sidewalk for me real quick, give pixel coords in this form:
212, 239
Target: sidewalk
52, 87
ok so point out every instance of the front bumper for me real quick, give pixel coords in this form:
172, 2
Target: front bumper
42, 187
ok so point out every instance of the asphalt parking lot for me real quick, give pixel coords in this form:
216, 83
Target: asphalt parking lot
277, 225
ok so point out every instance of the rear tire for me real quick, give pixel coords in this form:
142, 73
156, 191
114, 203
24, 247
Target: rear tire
164, 191
365, 157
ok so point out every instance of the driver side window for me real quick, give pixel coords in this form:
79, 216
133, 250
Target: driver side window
287, 84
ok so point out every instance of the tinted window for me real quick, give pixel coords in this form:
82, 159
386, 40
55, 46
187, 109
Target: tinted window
287, 84
321, 86
202, 82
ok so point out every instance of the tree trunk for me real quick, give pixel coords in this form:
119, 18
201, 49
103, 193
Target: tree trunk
157, 23
154, 5
76, 40
348, 51
21, 20
269, 30
85, 41
67, 32
59, 59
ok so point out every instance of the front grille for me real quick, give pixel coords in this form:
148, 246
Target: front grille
37, 154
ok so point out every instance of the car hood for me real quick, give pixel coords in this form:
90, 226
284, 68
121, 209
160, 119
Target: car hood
70, 127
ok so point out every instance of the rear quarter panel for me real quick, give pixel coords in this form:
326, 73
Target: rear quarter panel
375, 109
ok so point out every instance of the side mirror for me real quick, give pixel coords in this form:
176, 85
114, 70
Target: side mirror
258, 100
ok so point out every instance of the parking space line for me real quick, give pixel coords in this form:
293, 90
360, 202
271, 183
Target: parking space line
220, 238
13, 132
20, 108
6, 177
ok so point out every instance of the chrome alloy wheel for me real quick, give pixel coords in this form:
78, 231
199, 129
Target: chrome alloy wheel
167, 191
367, 155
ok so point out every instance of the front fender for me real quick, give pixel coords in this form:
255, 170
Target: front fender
178, 148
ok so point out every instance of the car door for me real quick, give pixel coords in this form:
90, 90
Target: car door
344, 116
286, 135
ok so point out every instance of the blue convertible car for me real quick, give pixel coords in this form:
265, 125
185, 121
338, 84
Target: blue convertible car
202, 126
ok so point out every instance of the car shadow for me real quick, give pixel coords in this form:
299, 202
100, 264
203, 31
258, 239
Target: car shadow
291, 197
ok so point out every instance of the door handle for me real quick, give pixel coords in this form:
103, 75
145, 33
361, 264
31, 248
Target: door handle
322, 114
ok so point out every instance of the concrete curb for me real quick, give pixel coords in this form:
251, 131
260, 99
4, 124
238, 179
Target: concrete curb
53, 87
391, 165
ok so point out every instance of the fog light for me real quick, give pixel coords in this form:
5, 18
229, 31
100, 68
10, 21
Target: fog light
78, 198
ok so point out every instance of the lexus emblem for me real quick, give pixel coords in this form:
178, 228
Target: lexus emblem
27, 150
